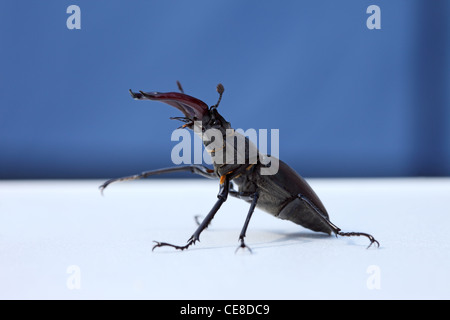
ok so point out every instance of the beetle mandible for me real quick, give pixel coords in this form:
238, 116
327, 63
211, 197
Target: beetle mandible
285, 194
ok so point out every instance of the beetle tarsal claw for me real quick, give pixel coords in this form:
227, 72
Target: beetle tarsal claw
165, 244
372, 241
190, 242
358, 234
243, 246
104, 185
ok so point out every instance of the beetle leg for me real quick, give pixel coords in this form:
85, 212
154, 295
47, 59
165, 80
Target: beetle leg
357, 234
222, 197
242, 195
334, 228
247, 196
247, 220
197, 169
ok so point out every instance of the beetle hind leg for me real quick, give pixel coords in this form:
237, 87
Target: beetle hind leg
357, 234
254, 198
334, 228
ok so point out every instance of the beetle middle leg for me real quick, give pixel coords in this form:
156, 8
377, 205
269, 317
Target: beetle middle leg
334, 228
247, 220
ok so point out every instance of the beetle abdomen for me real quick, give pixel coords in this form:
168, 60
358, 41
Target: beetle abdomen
299, 212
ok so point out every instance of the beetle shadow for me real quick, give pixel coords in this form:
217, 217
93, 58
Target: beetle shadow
301, 237
283, 239
292, 238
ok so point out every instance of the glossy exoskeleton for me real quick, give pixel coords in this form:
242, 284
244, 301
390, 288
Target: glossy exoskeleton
285, 194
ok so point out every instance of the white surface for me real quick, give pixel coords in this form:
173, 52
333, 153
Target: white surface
47, 226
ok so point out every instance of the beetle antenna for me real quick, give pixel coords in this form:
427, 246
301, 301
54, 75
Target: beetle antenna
180, 87
220, 89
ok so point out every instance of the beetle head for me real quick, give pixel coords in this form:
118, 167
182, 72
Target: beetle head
195, 111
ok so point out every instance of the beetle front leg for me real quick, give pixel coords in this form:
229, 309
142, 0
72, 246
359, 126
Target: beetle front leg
223, 194
196, 168
247, 196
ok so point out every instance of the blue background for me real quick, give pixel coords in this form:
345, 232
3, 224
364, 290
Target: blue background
349, 101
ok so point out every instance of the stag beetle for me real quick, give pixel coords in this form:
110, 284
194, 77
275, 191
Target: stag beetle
285, 194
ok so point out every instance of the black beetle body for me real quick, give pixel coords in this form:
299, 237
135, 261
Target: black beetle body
284, 194
278, 195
